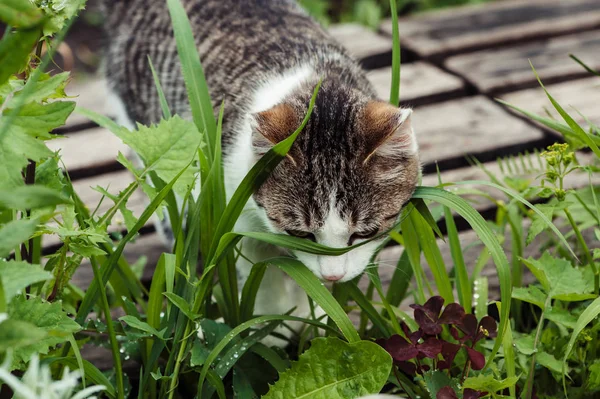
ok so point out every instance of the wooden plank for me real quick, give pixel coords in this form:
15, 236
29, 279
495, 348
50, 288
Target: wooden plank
472, 125
456, 30
502, 70
372, 49
420, 83
579, 95
89, 152
90, 92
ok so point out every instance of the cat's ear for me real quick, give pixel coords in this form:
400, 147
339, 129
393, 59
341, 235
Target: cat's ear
272, 126
388, 131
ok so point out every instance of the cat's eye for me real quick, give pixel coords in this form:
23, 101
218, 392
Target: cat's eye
302, 234
363, 235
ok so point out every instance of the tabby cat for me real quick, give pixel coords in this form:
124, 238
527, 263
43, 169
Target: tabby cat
351, 169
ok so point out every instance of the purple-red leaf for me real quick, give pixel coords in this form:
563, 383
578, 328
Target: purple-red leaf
468, 325
428, 324
446, 393
431, 347
449, 351
452, 314
400, 349
407, 367
477, 359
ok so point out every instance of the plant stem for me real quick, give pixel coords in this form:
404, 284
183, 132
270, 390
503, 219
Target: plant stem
529, 384
586, 251
114, 345
180, 354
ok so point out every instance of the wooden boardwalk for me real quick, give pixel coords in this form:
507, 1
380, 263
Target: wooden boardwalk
455, 63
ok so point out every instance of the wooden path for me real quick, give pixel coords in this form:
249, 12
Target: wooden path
455, 63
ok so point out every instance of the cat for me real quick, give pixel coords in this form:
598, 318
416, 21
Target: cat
348, 174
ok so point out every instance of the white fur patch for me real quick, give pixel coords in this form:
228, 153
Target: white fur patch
273, 90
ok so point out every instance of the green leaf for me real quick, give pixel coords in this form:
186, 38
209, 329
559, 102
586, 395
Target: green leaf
59, 13
487, 383
559, 278
16, 149
20, 14
30, 197
549, 361
134, 322
46, 88
531, 294
562, 317
15, 334
87, 251
38, 119
242, 389
593, 382
332, 369
166, 149
48, 317
15, 49
16, 276
436, 380
537, 223
15, 232
181, 304
395, 88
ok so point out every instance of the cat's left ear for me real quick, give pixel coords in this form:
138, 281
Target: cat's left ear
273, 126
388, 131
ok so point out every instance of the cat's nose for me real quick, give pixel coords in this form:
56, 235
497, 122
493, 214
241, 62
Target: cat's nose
333, 277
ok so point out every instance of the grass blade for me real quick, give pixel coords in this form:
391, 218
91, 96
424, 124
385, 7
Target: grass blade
463, 286
161, 94
400, 280
193, 75
365, 305
395, 89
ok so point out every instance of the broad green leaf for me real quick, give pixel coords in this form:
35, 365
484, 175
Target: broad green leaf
560, 279
38, 119
15, 232
487, 383
531, 294
15, 48
538, 224
16, 334
549, 361
525, 345
30, 197
333, 369
16, 276
87, 251
166, 148
20, 14
589, 314
45, 88
46, 316
562, 317
16, 149
242, 389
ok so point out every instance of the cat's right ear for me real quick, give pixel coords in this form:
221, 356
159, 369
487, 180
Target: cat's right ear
272, 126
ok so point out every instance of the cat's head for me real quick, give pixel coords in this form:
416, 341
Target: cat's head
346, 178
